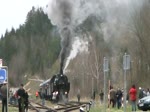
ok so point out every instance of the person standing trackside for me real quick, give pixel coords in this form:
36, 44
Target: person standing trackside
78, 95
36, 94
94, 94
20, 94
3, 91
43, 96
132, 93
148, 92
119, 98
112, 97
101, 96
141, 95
26, 101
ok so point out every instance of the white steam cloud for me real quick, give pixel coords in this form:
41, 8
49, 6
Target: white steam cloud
78, 46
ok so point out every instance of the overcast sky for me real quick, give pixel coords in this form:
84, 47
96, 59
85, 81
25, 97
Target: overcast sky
13, 12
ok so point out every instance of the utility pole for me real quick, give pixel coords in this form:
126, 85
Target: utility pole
126, 66
105, 69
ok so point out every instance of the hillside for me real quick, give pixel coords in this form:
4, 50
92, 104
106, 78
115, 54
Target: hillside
32, 48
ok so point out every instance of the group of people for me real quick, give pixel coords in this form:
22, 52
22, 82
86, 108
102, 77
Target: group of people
115, 97
18, 97
133, 95
22, 96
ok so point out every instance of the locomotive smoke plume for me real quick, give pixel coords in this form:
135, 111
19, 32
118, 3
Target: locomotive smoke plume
67, 15
61, 16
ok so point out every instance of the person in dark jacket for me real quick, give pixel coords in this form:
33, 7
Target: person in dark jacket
101, 96
112, 97
94, 94
3, 91
119, 98
132, 93
141, 95
20, 94
26, 101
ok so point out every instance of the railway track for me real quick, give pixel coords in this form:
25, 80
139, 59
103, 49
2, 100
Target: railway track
60, 107
71, 106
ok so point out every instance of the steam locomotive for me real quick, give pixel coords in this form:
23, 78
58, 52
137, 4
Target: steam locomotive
55, 89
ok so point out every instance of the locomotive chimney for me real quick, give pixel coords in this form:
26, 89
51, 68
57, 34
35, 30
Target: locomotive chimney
61, 71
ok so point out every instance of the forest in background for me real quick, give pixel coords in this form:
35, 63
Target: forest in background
34, 48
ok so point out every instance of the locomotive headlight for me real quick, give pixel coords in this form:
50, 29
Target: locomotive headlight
56, 92
65, 92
